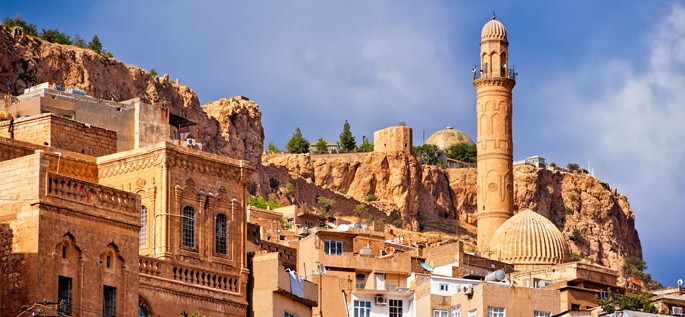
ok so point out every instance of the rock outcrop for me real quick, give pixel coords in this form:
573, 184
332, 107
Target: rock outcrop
596, 220
26, 61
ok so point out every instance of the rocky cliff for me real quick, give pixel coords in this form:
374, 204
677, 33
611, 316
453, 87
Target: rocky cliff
26, 61
596, 220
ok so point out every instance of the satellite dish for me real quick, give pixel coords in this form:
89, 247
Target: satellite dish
680, 282
343, 227
427, 267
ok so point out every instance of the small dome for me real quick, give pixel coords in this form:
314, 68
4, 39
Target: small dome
493, 30
447, 137
528, 240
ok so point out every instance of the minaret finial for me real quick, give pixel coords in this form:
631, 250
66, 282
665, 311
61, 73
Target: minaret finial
493, 15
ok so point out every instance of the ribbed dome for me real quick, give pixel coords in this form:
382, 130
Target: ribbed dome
528, 240
493, 30
447, 137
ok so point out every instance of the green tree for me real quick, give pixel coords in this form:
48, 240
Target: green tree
78, 41
428, 154
635, 267
326, 204
463, 152
95, 44
297, 143
347, 142
153, 72
197, 313
630, 301
271, 148
572, 167
55, 36
321, 146
29, 29
366, 146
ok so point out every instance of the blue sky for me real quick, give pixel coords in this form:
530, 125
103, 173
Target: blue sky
599, 82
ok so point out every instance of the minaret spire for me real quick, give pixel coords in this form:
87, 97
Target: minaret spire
495, 181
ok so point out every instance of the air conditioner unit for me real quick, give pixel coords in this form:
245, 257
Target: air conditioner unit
467, 289
381, 300
676, 311
190, 141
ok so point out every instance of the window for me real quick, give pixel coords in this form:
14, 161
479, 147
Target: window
308, 224
108, 261
188, 227
603, 295
439, 313
395, 308
64, 250
287, 314
64, 296
220, 234
496, 311
472, 313
444, 287
334, 247
456, 311
142, 238
109, 301
362, 309
542, 314
360, 280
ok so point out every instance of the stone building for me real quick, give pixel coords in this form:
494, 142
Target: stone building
447, 137
97, 223
393, 139
494, 85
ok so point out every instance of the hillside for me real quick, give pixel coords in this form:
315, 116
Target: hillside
596, 219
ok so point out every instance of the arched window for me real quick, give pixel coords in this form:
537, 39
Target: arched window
220, 234
188, 227
142, 238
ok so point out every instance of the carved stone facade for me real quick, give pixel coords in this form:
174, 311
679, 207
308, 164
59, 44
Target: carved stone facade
156, 230
495, 146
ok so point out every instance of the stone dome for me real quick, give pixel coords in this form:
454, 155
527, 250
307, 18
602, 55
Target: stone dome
528, 240
447, 137
493, 30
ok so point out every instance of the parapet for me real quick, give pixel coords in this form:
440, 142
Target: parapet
393, 139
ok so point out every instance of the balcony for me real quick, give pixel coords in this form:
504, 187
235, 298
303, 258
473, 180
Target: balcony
310, 290
184, 275
395, 263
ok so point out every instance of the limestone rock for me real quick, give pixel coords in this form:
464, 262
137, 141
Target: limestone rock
432, 198
241, 127
26, 61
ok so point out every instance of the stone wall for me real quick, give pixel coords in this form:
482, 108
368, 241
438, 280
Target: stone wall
393, 139
62, 133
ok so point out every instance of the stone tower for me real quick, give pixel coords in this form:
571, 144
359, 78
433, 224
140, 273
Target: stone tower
493, 84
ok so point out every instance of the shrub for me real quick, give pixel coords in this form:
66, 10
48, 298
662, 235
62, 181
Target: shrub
575, 256
575, 235
326, 204
29, 29
289, 188
397, 223
260, 202
572, 167
568, 210
370, 197
361, 208
153, 72
55, 36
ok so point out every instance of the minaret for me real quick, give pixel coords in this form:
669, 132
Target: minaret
494, 84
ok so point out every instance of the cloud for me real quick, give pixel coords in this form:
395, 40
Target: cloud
630, 120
